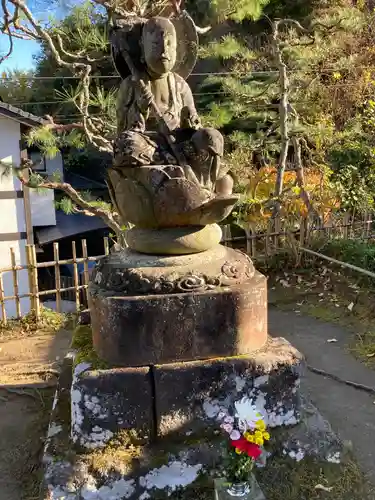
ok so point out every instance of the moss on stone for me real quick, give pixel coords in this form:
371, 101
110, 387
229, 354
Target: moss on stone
82, 342
121, 454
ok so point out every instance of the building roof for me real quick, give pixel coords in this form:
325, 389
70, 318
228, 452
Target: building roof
21, 116
69, 225
80, 182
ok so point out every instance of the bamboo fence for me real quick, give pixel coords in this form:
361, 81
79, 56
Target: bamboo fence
278, 235
258, 243
36, 294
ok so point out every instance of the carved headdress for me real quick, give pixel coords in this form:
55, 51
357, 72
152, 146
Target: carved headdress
126, 35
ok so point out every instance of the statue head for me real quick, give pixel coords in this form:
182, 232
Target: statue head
159, 43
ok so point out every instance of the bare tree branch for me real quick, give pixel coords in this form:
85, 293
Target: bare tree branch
60, 127
10, 50
7, 19
109, 218
283, 107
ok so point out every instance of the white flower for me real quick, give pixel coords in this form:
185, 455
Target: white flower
221, 415
247, 413
228, 419
227, 428
235, 435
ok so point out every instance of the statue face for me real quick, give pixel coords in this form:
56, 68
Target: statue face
159, 45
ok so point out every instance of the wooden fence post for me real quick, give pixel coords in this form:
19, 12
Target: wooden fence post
35, 282
368, 225
249, 248
57, 276
267, 242
302, 239
29, 264
227, 236
346, 224
302, 232
85, 268
2, 300
106, 246
15, 282
75, 276
277, 232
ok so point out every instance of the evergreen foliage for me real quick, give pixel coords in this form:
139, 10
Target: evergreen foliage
330, 63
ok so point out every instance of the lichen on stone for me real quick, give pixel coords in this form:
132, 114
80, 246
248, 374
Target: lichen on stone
80, 405
279, 410
169, 477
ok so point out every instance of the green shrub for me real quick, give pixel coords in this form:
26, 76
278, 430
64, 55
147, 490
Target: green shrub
360, 253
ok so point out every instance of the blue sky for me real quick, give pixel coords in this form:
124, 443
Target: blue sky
22, 57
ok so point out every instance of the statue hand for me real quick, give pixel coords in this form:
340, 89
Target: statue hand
145, 99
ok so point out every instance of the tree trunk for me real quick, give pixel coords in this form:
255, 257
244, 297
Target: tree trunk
283, 110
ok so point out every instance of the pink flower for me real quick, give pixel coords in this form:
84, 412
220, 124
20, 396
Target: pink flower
221, 415
227, 428
235, 435
228, 419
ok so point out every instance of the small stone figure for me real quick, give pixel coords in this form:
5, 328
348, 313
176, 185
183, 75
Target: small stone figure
167, 169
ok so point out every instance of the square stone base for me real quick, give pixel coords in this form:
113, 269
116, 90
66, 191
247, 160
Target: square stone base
185, 398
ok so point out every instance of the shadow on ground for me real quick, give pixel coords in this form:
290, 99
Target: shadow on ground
30, 360
350, 411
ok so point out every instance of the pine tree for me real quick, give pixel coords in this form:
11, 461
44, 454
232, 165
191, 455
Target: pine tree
320, 97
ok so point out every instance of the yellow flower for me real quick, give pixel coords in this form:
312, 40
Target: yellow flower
249, 437
259, 441
336, 75
260, 425
238, 451
258, 434
266, 436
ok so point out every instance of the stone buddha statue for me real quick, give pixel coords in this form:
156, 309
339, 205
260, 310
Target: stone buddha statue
167, 170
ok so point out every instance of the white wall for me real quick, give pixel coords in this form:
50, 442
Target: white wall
12, 215
42, 204
10, 136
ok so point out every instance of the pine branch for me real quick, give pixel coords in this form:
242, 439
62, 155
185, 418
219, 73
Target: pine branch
59, 127
111, 219
63, 58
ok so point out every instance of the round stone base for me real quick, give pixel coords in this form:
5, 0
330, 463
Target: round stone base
174, 240
147, 310
132, 273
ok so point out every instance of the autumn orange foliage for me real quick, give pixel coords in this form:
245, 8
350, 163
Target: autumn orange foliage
260, 188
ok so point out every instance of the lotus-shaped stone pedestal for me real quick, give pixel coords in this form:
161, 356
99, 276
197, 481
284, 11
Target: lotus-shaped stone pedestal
171, 211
